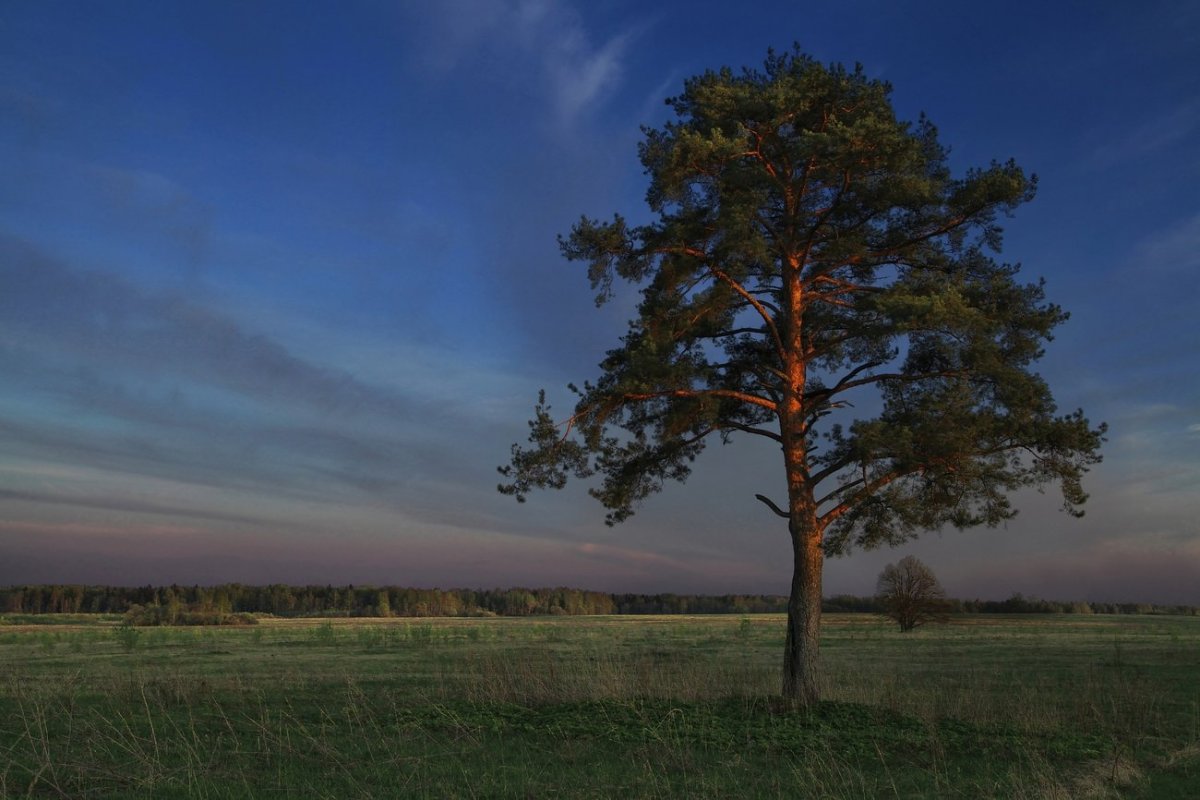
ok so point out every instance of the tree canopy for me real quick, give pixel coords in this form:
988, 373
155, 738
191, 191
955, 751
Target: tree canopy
812, 254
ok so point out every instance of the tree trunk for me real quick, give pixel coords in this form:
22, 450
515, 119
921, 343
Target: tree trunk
800, 659
801, 666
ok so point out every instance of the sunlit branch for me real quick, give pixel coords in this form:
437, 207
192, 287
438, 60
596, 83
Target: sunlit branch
866, 491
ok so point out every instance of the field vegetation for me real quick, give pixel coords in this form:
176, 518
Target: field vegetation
987, 706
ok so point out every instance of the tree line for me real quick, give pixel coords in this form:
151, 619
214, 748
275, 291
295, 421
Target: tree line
174, 604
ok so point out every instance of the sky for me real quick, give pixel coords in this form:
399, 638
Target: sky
279, 284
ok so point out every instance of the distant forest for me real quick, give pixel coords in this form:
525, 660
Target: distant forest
206, 604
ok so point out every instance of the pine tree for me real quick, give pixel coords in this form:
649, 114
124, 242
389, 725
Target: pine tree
809, 249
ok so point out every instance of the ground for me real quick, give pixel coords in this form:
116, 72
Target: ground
987, 706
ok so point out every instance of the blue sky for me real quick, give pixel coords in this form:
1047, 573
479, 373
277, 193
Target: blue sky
279, 283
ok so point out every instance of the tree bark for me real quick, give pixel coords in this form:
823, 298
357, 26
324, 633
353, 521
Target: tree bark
801, 665
801, 653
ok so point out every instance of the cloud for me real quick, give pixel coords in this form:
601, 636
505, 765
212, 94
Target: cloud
684, 570
101, 373
156, 404
145, 200
629, 557
47, 307
147, 435
1162, 132
1153, 442
32, 114
580, 74
1173, 250
112, 212
75, 529
126, 505
536, 40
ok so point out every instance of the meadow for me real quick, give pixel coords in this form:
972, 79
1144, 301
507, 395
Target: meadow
1030, 706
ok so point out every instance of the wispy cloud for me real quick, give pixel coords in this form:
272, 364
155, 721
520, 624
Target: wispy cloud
148, 200
538, 40
105, 374
630, 557
579, 73
32, 113
727, 571
60, 529
1162, 132
1174, 249
125, 505
46, 306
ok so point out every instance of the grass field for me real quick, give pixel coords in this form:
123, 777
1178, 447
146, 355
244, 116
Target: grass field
1007, 707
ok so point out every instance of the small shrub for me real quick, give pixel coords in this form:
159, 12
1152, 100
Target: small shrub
324, 633
127, 636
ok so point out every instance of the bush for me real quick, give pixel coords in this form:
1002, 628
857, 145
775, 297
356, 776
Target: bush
127, 637
155, 614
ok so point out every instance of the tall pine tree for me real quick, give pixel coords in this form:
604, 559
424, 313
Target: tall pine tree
809, 248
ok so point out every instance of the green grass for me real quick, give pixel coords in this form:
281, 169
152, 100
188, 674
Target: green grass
1004, 707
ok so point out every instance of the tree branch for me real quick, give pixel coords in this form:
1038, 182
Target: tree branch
758, 306
894, 250
730, 332
745, 397
828, 472
830, 391
771, 505
866, 491
840, 287
737, 426
844, 385
835, 492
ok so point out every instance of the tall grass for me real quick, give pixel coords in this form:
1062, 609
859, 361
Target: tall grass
600, 707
